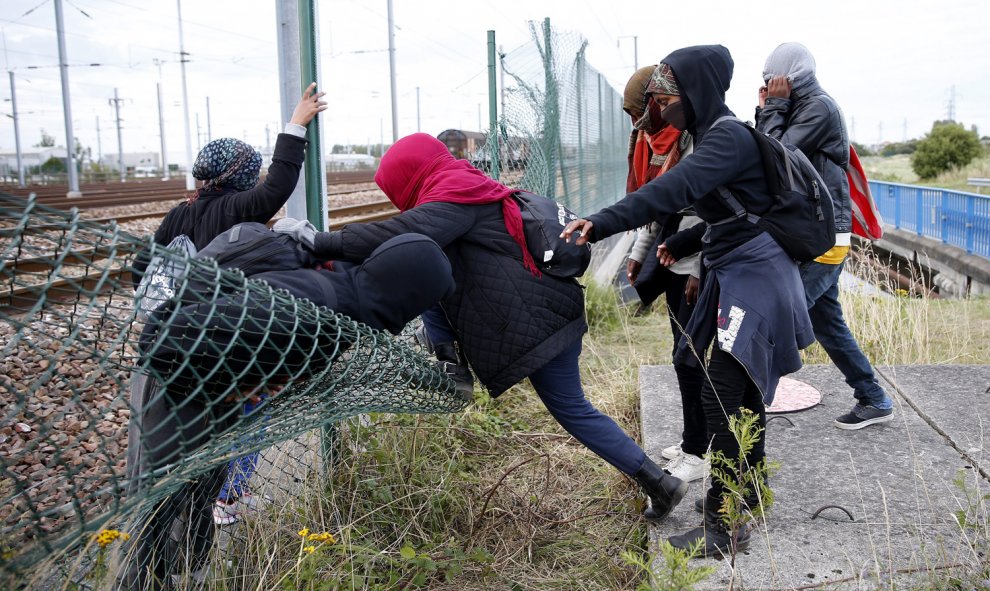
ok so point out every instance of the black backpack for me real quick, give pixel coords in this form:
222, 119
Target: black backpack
252, 248
801, 218
543, 221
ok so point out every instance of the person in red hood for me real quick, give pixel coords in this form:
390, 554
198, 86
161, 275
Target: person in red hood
510, 321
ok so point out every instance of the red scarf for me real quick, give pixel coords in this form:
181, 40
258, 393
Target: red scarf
419, 169
643, 147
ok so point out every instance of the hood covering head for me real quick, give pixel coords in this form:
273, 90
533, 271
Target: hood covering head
419, 169
792, 60
404, 277
634, 96
228, 162
702, 74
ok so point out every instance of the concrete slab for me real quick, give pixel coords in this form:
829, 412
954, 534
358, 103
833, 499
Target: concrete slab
895, 479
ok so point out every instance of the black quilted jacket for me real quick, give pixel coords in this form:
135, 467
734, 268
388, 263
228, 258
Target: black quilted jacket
510, 323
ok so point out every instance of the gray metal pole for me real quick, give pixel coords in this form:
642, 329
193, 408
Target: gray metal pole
209, 125
635, 53
99, 143
417, 111
120, 143
289, 88
391, 71
63, 67
17, 132
190, 181
493, 147
161, 132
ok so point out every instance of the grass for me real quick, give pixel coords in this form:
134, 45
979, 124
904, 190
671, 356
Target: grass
499, 496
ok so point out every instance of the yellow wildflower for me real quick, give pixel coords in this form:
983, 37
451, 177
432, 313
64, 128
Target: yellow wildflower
304, 532
109, 536
324, 537
309, 549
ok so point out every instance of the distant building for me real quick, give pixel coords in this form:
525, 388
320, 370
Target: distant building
134, 161
350, 161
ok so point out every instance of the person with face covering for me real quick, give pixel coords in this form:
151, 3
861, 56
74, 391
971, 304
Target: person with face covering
655, 147
511, 321
796, 110
751, 309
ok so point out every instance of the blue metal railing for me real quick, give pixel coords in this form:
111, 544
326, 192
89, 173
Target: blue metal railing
954, 217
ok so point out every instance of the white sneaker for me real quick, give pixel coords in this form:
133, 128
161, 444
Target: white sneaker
225, 513
672, 452
688, 467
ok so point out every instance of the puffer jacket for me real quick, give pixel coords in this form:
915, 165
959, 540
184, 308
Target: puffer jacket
812, 121
509, 322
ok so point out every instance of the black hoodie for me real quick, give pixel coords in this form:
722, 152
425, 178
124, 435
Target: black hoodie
724, 155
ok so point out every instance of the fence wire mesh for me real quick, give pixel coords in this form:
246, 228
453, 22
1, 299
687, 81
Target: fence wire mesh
110, 421
562, 132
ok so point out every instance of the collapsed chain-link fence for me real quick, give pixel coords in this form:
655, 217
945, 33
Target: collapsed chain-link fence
110, 421
561, 129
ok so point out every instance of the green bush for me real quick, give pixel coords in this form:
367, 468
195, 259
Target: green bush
948, 146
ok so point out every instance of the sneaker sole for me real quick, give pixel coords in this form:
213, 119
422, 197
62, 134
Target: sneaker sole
866, 423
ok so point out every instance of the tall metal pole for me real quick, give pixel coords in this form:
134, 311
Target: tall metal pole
309, 69
391, 70
63, 67
209, 126
501, 80
417, 111
289, 74
190, 181
17, 132
120, 143
635, 53
99, 143
161, 132
493, 109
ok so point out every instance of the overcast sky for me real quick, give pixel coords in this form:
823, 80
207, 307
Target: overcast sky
893, 66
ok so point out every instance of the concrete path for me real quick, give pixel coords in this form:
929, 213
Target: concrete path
896, 480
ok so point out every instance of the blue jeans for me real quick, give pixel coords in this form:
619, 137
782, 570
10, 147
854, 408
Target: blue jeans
558, 383
240, 470
821, 287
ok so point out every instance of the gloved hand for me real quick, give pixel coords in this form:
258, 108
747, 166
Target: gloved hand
301, 230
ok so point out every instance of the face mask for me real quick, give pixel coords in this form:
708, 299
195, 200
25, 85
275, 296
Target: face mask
675, 115
652, 121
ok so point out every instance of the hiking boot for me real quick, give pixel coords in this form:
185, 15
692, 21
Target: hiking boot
226, 512
716, 539
688, 467
663, 490
671, 452
453, 364
864, 416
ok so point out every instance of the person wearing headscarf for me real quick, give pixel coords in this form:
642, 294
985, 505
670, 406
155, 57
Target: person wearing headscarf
510, 321
751, 310
654, 148
796, 110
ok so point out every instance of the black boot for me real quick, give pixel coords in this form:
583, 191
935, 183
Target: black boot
716, 540
664, 490
454, 365
752, 502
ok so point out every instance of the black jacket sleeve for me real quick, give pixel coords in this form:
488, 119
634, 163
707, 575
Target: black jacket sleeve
263, 201
686, 242
808, 128
442, 222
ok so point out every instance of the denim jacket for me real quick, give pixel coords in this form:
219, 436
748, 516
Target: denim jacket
812, 121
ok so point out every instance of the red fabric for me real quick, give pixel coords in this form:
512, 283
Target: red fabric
645, 146
419, 169
866, 220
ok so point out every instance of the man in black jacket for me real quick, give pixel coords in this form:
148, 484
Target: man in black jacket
796, 110
752, 302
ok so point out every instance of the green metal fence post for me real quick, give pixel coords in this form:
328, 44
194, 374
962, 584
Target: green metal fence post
493, 147
579, 82
551, 118
600, 184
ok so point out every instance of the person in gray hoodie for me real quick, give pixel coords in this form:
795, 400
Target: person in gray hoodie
796, 110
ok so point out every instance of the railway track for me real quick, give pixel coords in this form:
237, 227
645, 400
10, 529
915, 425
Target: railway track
138, 192
85, 270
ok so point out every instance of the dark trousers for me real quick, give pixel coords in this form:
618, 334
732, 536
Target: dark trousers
730, 390
162, 433
694, 438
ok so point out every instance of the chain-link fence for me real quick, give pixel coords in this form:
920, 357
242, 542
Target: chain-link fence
561, 130
83, 373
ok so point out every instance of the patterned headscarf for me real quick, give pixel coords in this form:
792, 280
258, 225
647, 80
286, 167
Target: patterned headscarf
228, 162
663, 81
634, 95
